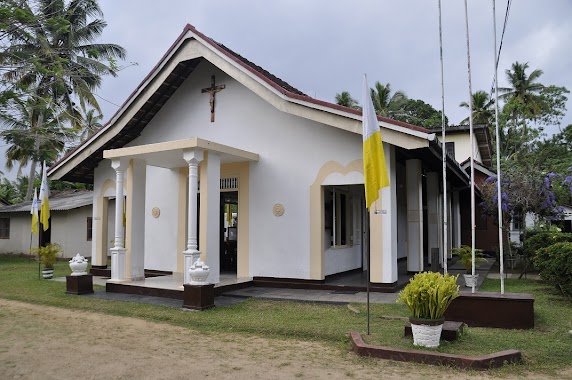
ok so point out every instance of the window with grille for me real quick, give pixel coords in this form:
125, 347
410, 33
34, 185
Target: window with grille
89, 228
4, 228
338, 216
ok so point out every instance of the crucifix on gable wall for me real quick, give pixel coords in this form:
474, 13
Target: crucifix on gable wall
212, 90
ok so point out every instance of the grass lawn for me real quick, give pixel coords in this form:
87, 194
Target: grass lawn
546, 348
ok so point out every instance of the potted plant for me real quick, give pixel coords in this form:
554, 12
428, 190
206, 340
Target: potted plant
428, 295
466, 258
48, 256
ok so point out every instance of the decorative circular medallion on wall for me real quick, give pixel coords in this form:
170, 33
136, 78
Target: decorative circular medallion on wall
278, 209
155, 212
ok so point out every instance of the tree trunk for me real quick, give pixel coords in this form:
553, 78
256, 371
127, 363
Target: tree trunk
34, 162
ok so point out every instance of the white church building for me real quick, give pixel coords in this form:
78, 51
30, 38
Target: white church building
211, 155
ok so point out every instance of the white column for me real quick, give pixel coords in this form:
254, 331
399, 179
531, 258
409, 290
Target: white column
457, 219
433, 240
135, 220
414, 216
118, 250
389, 220
191, 254
210, 199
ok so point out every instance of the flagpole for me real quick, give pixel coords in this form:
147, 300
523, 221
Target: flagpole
497, 136
443, 149
472, 149
367, 280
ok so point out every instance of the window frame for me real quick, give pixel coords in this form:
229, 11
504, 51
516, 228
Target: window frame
89, 230
5, 228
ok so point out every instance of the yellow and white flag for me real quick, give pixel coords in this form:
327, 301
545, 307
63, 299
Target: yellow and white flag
34, 212
374, 168
44, 201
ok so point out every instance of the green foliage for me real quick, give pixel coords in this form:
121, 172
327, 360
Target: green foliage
483, 111
465, 255
541, 238
48, 255
429, 294
555, 266
417, 112
345, 99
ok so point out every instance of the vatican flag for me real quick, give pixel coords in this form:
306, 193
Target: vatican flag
374, 168
34, 213
43, 199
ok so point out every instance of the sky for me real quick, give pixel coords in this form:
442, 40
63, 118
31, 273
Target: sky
323, 47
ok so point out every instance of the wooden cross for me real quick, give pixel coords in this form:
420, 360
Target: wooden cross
212, 90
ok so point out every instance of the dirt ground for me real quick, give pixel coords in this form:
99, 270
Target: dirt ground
38, 342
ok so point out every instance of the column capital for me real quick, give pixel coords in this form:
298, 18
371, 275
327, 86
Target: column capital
194, 155
119, 164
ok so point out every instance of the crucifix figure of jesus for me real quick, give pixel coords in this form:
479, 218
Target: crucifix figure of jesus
212, 90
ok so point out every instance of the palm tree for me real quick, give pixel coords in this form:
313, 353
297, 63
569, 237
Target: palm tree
91, 123
53, 56
345, 99
523, 99
385, 103
483, 112
21, 132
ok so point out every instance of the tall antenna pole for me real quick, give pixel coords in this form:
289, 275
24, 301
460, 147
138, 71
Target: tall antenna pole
443, 149
472, 148
497, 133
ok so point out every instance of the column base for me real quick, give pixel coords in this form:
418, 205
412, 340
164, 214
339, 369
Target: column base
118, 263
79, 284
198, 297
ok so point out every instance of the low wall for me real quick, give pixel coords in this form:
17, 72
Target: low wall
487, 309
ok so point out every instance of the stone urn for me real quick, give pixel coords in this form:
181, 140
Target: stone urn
199, 272
78, 265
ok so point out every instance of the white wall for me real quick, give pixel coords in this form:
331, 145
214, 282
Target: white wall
20, 231
69, 229
161, 233
463, 146
291, 150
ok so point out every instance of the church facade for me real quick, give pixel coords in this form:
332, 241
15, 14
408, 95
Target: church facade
213, 156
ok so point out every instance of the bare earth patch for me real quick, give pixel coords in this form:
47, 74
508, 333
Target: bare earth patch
39, 342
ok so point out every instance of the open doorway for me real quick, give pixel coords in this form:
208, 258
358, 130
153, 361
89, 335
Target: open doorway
229, 231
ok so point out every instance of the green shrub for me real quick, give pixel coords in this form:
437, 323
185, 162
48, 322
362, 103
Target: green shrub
555, 266
541, 238
429, 294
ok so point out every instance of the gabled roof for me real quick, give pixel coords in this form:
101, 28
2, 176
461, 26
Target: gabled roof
62, 201
79, 164
466, 165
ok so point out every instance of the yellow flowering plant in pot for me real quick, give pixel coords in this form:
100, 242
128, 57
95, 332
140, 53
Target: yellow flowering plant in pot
427, 296
48, 256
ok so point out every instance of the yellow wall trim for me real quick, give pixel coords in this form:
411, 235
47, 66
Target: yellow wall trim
317, 213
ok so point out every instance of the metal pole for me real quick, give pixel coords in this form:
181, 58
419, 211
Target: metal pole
367, 274
472, 148
497, 133
443, 149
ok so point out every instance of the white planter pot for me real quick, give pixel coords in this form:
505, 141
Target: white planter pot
426, 333
470, 280
47, 273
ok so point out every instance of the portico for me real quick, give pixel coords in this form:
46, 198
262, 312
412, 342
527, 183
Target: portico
198, 160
